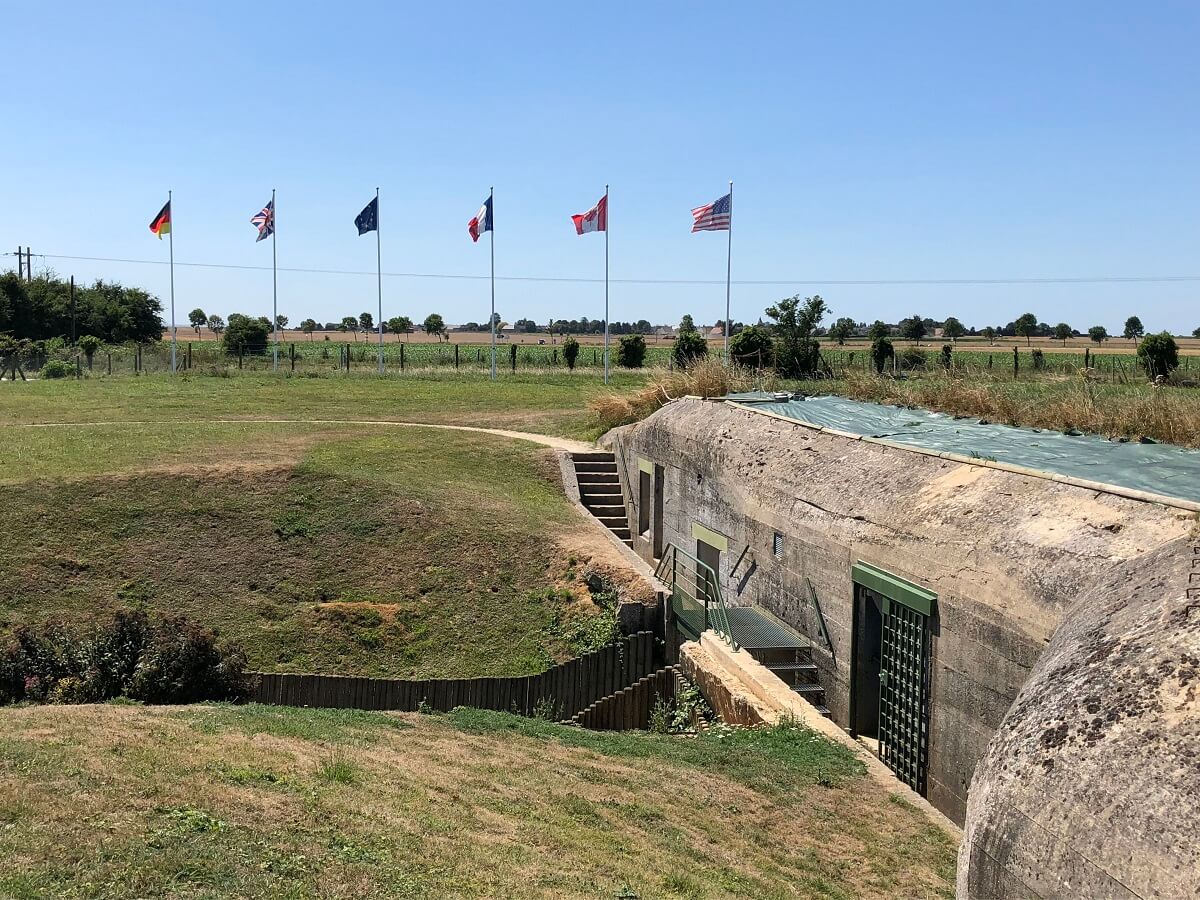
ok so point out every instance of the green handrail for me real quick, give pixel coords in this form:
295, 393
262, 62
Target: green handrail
693, 581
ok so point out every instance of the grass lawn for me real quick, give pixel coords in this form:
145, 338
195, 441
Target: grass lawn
543, 403
216, 801
357, 550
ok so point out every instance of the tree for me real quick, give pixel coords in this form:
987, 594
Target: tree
1026, 326
878, 329
401, 325
842, 329
308, 326
913, 329
881, 351
89, 344
1134, 328
752, 347
1158, 354
349, 323
797, 353
686, 323
570, 350
689, 346
246, 335
198, 320
435, 325
989, 334
1062, 331
953, 329
1098, 334
281, 322
631, 352
216, 325
1196, 333
366, 322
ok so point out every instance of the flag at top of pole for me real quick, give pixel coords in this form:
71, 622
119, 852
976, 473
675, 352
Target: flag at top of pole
264, 221
718, 216
596, 219
477, 226
368, 220
482, 221
160, 225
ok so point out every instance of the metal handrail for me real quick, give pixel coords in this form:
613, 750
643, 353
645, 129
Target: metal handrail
693, 580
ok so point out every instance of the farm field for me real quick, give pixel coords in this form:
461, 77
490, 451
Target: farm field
114, 801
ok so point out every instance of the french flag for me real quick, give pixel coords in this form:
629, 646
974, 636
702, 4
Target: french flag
482, 221
595, 219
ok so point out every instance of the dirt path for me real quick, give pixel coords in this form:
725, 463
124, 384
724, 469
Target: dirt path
545, 440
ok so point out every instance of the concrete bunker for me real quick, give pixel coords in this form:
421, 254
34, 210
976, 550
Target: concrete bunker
927, 585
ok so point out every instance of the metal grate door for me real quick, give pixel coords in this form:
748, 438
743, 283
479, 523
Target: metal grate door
904, 694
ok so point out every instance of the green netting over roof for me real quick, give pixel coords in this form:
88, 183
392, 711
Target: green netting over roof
1159, 468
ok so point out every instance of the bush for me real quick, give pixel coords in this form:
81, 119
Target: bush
57, 368
89, 344
570, 350
245, 335
631, 353
689, 347
947, 356
1158, 354
172, 660
752, 347
1039, 359
882, 352
912, 358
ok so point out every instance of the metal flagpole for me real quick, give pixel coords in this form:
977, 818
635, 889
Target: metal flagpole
274, 280
492, 246
606, 284
728, 269
379, 275
171, 243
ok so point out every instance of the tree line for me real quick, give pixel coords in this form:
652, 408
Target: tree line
43, 309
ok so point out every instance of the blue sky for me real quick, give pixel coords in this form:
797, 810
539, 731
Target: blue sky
866, 141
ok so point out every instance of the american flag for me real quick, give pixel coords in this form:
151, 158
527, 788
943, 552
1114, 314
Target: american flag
264, 221
713, 216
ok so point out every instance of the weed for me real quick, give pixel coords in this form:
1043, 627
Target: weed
337, 768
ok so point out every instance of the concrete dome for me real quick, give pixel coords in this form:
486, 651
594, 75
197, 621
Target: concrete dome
1091, 786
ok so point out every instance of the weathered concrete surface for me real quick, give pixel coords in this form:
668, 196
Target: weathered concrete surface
1091, 787
1006, 553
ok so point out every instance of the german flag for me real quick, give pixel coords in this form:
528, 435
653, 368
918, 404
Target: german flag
162, 222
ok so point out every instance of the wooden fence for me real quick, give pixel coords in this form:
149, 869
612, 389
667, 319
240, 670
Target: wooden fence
630, 707
559, 692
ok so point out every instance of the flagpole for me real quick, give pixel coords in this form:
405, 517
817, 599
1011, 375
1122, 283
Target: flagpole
171, 243
606, 284
728, 270
492, 247
379, 276
274, 280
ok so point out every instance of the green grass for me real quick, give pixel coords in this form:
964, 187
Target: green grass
402, 552
220, 801
546, 404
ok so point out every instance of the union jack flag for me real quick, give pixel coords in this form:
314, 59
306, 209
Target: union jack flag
713, 216
264, 221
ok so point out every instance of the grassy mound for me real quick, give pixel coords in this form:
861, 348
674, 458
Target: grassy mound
218, 801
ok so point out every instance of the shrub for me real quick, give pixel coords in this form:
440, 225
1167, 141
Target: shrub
752, 347
172, 660
882, 352
689, 347
245, 335
1158, 354
57, 368
1039, 359
912, 358
947, 356
89, 344
631, 353
570, 350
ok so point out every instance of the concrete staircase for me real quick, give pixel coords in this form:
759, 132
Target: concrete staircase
795, 668
600, 491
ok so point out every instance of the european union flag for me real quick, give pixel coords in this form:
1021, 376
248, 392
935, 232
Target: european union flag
368, 219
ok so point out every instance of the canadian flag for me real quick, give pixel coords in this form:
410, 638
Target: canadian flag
595, 219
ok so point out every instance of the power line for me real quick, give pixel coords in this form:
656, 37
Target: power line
836, 282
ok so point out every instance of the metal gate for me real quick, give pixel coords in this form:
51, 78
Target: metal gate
904, 693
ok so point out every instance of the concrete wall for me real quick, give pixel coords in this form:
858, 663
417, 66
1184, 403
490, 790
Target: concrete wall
1005, 553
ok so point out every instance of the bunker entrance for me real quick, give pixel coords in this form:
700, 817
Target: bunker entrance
889, 704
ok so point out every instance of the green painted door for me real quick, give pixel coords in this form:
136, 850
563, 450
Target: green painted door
904, 693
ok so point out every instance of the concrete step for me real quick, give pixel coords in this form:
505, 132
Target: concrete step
597, 478
600, 510
593, 456
622, 533
596, 467
599, 490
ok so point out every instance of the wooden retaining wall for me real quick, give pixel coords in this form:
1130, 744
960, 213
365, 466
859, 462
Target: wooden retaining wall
630, 707
560, 691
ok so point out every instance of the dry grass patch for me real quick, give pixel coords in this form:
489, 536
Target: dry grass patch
706, 378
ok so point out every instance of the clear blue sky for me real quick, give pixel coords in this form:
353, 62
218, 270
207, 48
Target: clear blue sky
874, 141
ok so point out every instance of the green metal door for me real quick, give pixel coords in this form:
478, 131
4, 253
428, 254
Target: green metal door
904, 693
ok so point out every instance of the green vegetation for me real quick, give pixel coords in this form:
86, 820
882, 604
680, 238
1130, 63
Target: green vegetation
114, 801
41, 310
245, 335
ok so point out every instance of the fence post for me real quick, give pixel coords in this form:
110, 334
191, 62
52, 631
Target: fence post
189, 356
401, 357
240, 351
456, 357
1016, 364
292, 354
109, 355
512, 352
